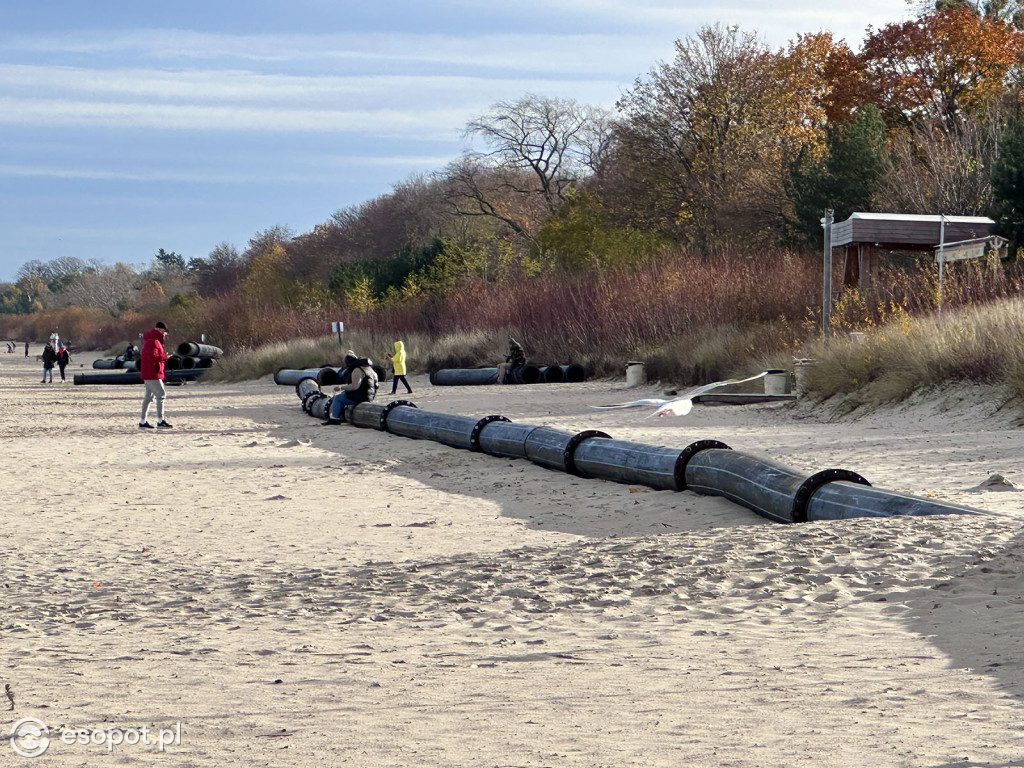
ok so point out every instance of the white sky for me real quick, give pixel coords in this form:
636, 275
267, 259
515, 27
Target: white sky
126, 127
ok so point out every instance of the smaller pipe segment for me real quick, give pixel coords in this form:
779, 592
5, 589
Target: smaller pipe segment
365, 415
320, 407
306, 386
195, 349
526, 374
552, 374
573, 373
463, 377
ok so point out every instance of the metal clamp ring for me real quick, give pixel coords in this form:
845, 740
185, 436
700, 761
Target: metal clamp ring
802, 497
688, 453
573, 444
389, 408
474, 436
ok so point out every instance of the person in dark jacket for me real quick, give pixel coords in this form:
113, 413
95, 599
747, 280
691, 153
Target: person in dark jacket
151, 367
361, 388
63, 358
49, 358
516, 359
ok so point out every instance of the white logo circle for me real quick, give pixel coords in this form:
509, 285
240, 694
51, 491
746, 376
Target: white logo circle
30, 737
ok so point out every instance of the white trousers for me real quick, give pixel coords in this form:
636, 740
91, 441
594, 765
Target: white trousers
154, 391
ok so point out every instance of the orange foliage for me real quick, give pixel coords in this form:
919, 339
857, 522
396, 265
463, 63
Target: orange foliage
940, 65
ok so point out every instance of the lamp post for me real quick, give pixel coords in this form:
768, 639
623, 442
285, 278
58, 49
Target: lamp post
942, 255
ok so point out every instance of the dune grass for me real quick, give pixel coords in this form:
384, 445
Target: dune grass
981, 345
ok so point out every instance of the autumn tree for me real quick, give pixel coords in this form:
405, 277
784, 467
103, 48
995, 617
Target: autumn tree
937, 171
536, 149
821, 83
113, 289
1008, 11
702, 138
220, 272
939, 67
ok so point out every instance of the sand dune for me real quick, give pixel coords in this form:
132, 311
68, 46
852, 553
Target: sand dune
293, 594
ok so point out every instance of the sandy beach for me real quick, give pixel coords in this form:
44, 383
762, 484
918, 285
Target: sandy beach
282, 593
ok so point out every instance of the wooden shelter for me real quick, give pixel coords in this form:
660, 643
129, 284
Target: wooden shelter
863, 236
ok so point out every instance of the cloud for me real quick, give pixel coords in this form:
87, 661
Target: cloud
326, 169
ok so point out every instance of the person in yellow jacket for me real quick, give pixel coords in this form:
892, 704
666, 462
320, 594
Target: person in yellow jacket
398, 363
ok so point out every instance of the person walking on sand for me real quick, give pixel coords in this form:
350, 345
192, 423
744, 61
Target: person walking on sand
63, 358
398, 363
26, 349
151, 367
49, 358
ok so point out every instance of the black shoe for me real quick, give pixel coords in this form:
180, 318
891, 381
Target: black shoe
145, 425
164, 425
329, 422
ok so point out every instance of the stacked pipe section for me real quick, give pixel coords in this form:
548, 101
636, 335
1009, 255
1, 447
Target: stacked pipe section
325, 375
524, 374
772, 490
190, 360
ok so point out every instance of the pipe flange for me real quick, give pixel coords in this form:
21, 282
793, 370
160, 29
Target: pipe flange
573, 444
389, 408
474, 436
802, 497
688, 453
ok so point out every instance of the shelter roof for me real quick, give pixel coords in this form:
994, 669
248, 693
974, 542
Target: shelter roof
908, 231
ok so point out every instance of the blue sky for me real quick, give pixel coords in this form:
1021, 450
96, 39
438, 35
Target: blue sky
127, 127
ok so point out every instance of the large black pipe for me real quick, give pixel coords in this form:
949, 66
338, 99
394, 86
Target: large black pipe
554, 449
195, 349
455, 431
636, 463
524, 374
106, 363
291, 376
770, 489
840, 499
134, 377
463, 377
773, 490
505, 438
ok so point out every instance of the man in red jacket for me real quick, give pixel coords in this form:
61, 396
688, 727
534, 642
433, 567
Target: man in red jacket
151, 366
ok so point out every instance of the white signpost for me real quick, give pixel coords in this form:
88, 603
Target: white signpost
338, 328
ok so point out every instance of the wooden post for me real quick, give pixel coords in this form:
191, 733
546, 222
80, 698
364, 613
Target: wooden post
826, 293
